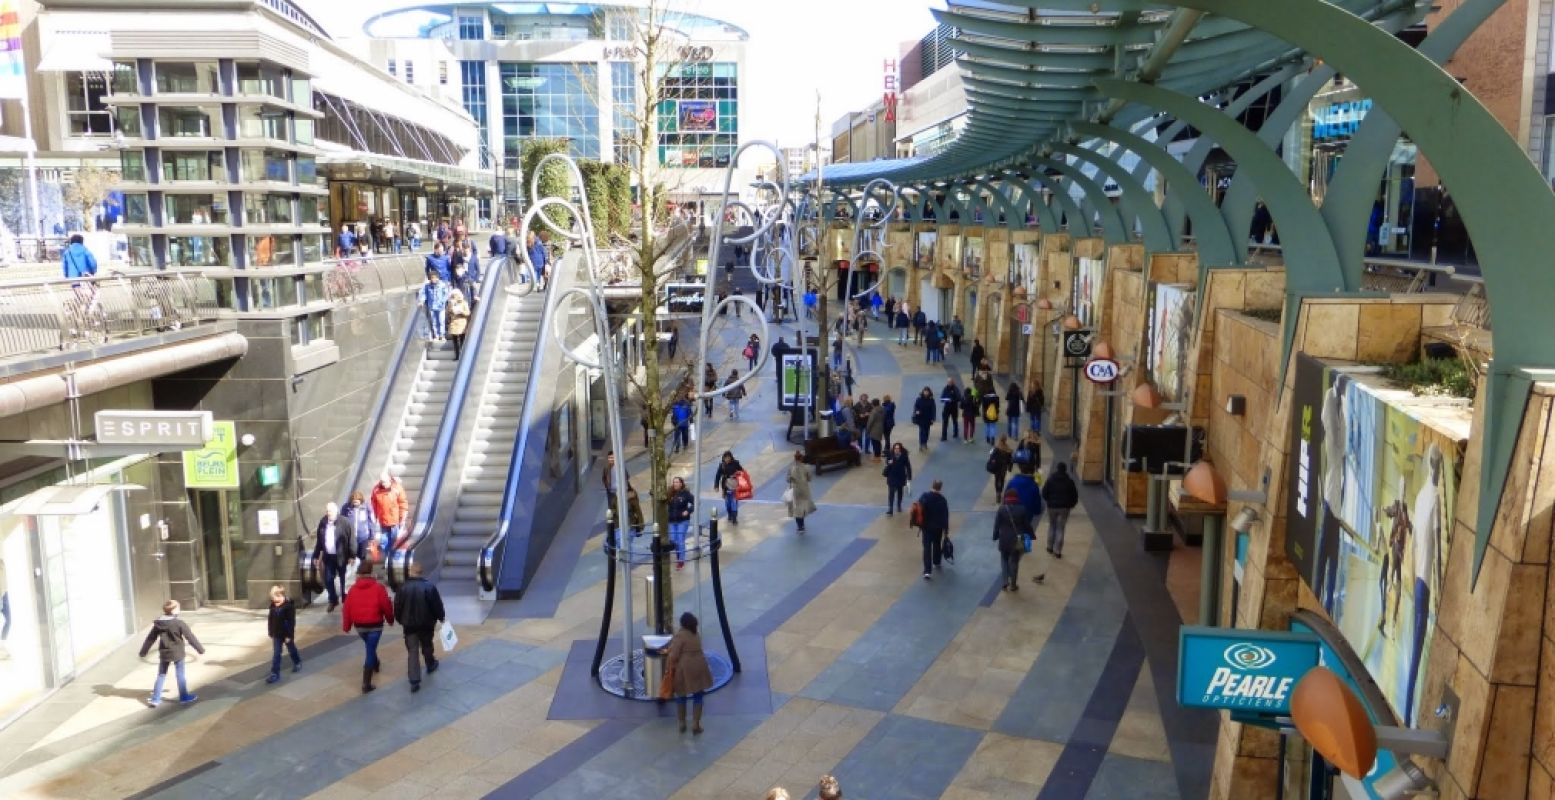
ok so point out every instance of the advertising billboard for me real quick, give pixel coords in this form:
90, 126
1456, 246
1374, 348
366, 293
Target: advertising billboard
1024, 271
1171, 332
1087, 290
698, 116
972, 256
796, 371
1369, 521
923, 249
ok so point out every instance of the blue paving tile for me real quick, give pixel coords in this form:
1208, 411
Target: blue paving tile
905, 758
1078, 764
564, 762
1134, 779
652, 760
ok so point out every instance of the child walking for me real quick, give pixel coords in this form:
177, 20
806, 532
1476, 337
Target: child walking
170, 633
283, 630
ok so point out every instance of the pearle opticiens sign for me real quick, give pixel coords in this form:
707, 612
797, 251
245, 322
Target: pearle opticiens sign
1244, 670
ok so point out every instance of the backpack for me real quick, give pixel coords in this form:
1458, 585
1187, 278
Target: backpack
991, 413
993, 462
1023, 456
915, 515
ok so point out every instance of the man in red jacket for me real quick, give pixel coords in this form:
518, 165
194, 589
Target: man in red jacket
367, 607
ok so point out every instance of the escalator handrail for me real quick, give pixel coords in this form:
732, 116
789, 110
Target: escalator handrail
447, 429
381, 402
488, 563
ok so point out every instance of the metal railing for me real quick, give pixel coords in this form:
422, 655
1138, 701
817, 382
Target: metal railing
350, 280
59, 314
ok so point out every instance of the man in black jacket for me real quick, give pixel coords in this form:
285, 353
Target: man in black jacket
950, 410
333, 549
936, 524
1061, 495
418, 608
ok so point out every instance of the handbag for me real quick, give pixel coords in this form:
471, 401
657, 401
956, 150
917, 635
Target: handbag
667, 686
743, 490
948, 549
448, 637
788, 495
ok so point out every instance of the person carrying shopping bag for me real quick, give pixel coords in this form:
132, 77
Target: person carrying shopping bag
798, 496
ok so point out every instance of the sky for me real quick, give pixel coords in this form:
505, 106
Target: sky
796, 48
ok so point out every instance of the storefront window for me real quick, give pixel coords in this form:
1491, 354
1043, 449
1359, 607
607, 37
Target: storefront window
272, 251
136, 211
184, 122
200, 165
199, 251
699, 115
22, 674
194, 209
550, 100
188, 78
267, 209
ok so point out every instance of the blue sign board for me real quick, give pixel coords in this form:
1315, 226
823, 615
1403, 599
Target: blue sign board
1241, 670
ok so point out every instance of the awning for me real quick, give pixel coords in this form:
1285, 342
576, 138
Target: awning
68, 500
79, 51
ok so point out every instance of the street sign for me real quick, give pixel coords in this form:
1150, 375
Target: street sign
1077, 344
1243, 670
172, 429
1101, 370
1026, 329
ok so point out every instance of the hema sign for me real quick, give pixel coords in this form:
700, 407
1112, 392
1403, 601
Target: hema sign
154, 428
1241, 670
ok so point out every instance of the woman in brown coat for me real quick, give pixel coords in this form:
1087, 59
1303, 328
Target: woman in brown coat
689, 674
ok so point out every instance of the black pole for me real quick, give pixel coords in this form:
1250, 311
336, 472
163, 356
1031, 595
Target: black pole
714, 544
610, 600
660, 624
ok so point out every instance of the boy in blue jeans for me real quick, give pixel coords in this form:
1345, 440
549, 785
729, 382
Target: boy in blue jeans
170, 633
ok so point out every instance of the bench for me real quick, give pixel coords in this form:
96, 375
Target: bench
826, 452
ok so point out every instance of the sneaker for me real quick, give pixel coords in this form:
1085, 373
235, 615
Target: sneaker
152, 702
1039, 578
928, 577
187, 700
275, 677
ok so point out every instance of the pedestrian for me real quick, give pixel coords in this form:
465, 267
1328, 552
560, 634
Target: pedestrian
537, 256
734, 394
990, 401
282, 627
1024, 485
919, 321
889, 407
903, 324
778, 793
725, 480
978, 353
332, 549
982, 378
434, 298
898, 475
458, 311
438, 262
358, 518
345, 243
368, 609
681, 505
936, 524
1000, 459
738, 306
1013, 400
752, 351
680, 414
950, 410
1061, 496
1029, 451
923, 409
931, 344
842, 419
890, 312
1036, 399
828, 789
860, 324
688, 673
1011, 529
957, 331
875, 428
497, 245
390, 505
418, 607
78, 261
170, 634
709, 385
801, 503
969, 413
847, 376
875, 302
413, 232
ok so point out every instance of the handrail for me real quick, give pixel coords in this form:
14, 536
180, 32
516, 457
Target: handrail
39, 316
489, 563
442, 447
385, 391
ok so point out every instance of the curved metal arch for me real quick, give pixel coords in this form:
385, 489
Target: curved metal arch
1139, 203
1306, 237
1114, 230
1497, 189
1216, 247
1032, 201
1014, 217
1074, 220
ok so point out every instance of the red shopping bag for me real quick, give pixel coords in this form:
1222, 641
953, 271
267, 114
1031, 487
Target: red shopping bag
742, 486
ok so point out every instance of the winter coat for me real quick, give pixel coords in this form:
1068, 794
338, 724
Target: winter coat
737, 393
283, 620
1010, 524
724, 479
360, 520
902, 319
1001, 459
418, 605
950, 399
978, 354
936, 512
1013, 401
876, 423
1035, 401
498, 245
169, 633
440, 265
680, 505
969, 408
803, 503
923, 411
957, 329
458, 314
687, 664
389, 505
1025, 487
919, 319
983, 380
898, 470
435, 295
889, 408
367, 605
345, 539
1059, 490
79, 261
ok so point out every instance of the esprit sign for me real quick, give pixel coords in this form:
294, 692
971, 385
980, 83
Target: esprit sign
1242, 670
154, 428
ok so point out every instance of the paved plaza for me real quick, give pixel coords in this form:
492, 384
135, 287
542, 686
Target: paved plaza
854, 665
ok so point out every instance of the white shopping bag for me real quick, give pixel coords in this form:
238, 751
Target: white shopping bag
448, 636
693, 431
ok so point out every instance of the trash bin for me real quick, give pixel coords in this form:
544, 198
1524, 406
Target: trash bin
653, 662
823, 424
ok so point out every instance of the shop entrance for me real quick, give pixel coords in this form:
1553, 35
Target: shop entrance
221, 535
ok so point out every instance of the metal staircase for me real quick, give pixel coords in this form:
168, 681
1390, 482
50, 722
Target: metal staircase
498, 416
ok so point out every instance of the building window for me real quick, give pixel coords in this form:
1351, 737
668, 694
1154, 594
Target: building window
270, 250
472, 78
550, 101
175, 122
200, 165
199, 251
187, 78
393, 67
132, 165
85, 104
442, 72
267, 209
128, 118
410, 72
623, 105
698, 115
621, 26
311, 328
136, 210
472, 29
266, 165
194, 209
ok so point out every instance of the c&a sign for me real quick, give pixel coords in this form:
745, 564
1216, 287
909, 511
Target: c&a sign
1241, 670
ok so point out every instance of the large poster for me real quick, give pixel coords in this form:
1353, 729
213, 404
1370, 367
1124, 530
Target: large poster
923, 249
1171, 330
1087, 290
972, 256
1369, 521
698, 116
1024, 268
797, 372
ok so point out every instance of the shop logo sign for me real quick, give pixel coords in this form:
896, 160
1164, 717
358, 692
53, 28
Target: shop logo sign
1253, 671
1246, 656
